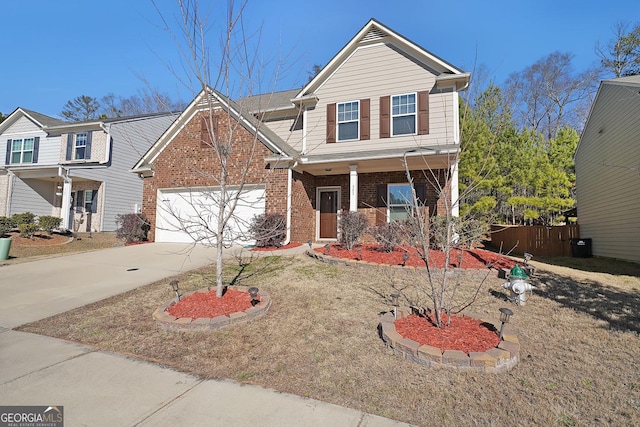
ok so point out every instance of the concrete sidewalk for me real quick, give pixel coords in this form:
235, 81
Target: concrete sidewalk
100, 388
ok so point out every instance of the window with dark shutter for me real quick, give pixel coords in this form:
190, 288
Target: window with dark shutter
69, 146
8, 158
385, 117
87, 149
365, 120
331, 123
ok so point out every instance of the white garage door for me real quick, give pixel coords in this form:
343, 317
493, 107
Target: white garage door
188, 216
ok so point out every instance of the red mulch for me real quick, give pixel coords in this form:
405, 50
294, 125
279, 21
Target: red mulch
473, 258
207, 305
464, 333
40, 239
274, 248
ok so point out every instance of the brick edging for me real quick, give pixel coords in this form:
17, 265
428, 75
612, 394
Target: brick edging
166, 321
495, 360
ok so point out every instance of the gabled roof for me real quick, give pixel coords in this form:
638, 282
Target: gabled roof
596, 120
203, 100
375, 32
40, 120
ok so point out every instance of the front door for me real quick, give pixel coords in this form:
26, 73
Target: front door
328, 214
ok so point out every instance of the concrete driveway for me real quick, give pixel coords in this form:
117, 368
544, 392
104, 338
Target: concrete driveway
100, 388
34, 290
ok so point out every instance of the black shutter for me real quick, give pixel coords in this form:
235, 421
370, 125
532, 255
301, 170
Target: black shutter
79, 201
69, 146
8, 158
36, 147
381, 204
94, 201
421, 193
87, 150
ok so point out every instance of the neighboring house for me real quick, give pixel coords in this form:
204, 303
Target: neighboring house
339, 143
78, 172
607, 164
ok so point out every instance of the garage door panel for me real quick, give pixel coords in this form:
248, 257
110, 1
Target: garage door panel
184, 216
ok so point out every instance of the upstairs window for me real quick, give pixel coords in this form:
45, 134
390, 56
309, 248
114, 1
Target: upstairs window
348, 121
22, 151
80, 146
403, 114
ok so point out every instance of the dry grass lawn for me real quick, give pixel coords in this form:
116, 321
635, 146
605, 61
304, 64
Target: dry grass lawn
579, 336
43, 246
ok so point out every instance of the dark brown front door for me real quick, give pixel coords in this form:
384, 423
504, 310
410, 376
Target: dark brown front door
328, 214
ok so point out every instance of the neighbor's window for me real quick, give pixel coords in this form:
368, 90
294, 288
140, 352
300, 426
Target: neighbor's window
400, 203
403, 114
88, 200
348, 117
22, 150
81, 146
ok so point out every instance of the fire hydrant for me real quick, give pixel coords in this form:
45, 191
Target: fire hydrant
518, 286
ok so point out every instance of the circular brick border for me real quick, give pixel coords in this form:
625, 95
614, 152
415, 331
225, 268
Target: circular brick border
496, 360
166, 321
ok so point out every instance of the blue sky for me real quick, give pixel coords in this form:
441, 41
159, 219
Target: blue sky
54, 51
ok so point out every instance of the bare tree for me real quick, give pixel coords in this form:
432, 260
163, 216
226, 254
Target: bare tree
544, 95
232, 69
621, 56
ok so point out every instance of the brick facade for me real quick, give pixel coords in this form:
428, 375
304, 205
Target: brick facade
187, 162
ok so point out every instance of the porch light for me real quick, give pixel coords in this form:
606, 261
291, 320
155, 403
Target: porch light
174, 286
394, 302
59, 190
253, 293
505, 315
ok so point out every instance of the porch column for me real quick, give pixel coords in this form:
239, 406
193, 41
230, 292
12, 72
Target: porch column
455, 202
353, 188
66, 204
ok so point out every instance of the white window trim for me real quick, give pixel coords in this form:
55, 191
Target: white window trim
22, 150
415, 114
405, 205
338, 122
75, 145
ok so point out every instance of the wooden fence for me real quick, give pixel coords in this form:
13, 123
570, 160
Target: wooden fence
536, 239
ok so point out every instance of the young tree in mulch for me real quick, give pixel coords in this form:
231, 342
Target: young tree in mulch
227, 65
448, 233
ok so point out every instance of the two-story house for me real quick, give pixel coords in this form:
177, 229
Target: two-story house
78, 172
339, 143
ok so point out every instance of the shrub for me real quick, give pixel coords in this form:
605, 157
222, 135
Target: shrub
388, 235
132, 227
23, 218
27, 230
352, 227
48, 223
6, 224
268, 229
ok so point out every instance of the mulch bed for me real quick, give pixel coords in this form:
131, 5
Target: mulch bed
39, 239
468, 258
464, 333
277, 248
208, 305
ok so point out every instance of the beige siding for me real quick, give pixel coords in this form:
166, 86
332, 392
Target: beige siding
372, 72
608, 174
22, 125
282, 128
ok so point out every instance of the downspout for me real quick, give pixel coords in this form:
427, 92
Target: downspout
289, 181
109, 143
